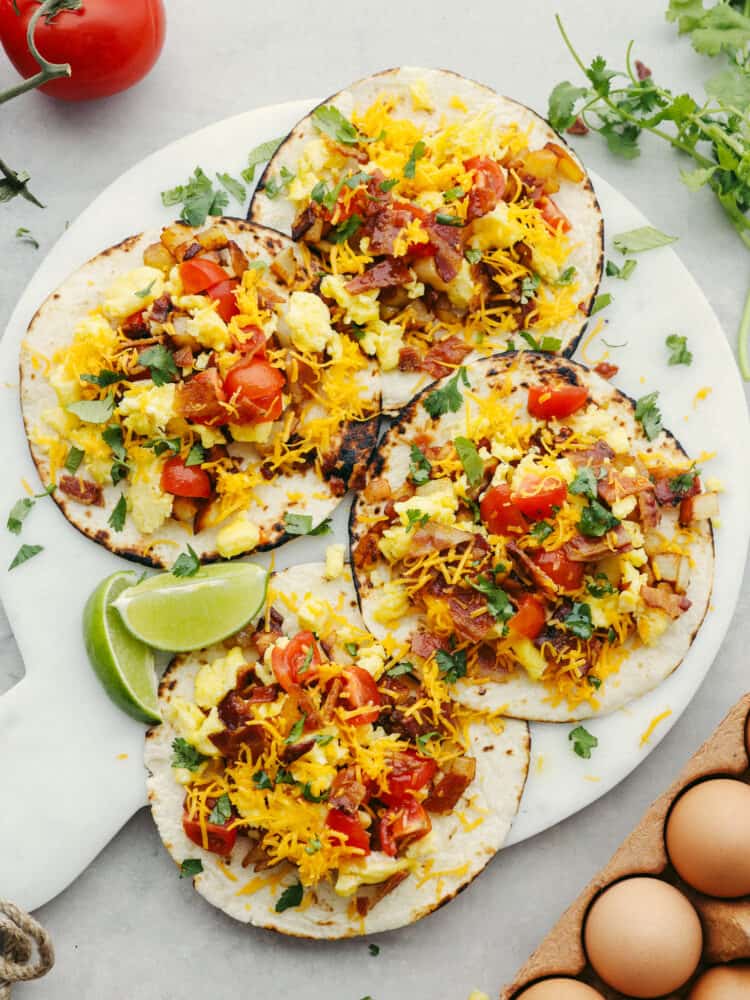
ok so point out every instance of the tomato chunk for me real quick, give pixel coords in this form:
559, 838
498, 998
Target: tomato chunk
547, 401
223, 294
297, 663
360, 690
354, 833
487, 187
185, 480
537, 496
402, 825
254, 388
555, 218
561, 570
529, 619
500, 513
409, 772
219, 838
198, 274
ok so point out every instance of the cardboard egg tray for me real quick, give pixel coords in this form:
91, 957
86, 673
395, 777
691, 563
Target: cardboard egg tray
726, 922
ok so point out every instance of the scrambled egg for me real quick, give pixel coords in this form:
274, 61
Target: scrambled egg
309, 322
461, 288
361, 309
373, 869
372, 659
393, 604
312, 163
240, 535
497, 230
149, 506
208, 328
334, 562
215, 679
194, 726
436, 499
132, 292
147, 409
253, 433
384, 340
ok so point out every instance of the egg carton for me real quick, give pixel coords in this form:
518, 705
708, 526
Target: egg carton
725, 922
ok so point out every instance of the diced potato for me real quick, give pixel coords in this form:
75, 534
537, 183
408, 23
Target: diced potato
682, 580
157, 255
666, 565
541, 163
651, 624
530, 658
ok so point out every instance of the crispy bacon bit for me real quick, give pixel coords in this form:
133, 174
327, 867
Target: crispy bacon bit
665, 492
347, 791
447, 243
648, 509
378, 489
190, 250
529, 568
366, 903
641, 70
184, 357
201, 398
264, 640
444, 356
581, 549
606, 370
82, 490
616, 486
579, 127
275, 619
665, 599
425, 644
293, 751
299, 703
250, 737
366, 551
384, 274
329, 705
338, 486
450, 784
595, 456
258, 857
136, 325
238, 259
409, 359
464, 606
160, 309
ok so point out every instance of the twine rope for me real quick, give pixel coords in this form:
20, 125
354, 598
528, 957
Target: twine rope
26, 950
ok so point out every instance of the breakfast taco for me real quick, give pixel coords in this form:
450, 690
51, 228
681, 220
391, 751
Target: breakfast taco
314, 781
539, 535
451, 222
188, 386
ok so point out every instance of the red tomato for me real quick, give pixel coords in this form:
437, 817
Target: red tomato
219, 839
555, 218
487, 187
254, 345
185, 480
290, 664
537, 496
547, 401
254, 387
110, 45
529, 618
500, 513
355, 834
421, 249
360, 689
409, 772
198, 274
408, 821
223, 293
561, 570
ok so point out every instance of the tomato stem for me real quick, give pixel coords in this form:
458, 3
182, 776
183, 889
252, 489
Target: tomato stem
47, 70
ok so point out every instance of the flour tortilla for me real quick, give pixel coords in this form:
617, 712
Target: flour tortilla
502, 765
53, 326
520, 697
577, 201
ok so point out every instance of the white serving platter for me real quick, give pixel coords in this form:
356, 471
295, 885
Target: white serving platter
71, 771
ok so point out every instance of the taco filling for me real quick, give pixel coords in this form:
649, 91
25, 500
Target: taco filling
530, 526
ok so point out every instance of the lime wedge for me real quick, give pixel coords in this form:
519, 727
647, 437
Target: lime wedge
123, 664
182, 613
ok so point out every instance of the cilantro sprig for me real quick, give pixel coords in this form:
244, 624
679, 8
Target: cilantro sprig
449, 398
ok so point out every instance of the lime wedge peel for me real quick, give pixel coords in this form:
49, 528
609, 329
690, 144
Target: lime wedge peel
178, 614
123, 664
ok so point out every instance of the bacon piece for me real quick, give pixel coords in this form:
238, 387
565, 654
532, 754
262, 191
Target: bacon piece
160, 309
438, 537
447, 243
258, 857
293, 751
300, 703
664, 599
377, 489
606, 370
581, 549
464, 606
425, 644
230, 742
648, 509
384, 274
367, 902
443, 357
367, 551
263, 640
184, 357
201, 399
450, 784
347, 791
136, 325
595, 456
409, 359
82, 491
529, 568
331, 700
616, 486
666, 494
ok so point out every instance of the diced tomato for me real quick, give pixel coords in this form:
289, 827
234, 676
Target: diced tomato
538, 495
547, 401
359, 690
561, 570
487, 187
254, 344
185, 480
500, 513
219, 838
555, 218
405, 822
223, 294
254, 388
421, 249
198, 274
355, 834
529, 618
295, 664
409, 772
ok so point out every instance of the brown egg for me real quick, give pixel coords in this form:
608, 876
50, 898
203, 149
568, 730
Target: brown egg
708, 837
560, 989
643, 937
724, 982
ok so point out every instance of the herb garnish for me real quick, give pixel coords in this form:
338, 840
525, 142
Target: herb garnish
233, 186
222, 811
346, 229
623, 273
449, 398
185, 755
404, 667
642, 239
601, 302
541, 530
160, 363
191, 867
648, 414
529, 287
602, 588
328, 119
567, 276
24, 235
297, 729
74, 459
420, 466
415, 517
25, 553
498, 602
418, 151
470, 459
584, 483
187, 563
116, 519
578, 620
260, 154
583, 742
273, 187
93, 411
197, 197
547, 344
596, 520
678, 350
290, 897
473, 255
451, 665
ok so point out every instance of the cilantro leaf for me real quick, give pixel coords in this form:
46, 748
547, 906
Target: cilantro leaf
116, 519
472, 255
449, 398
93, 411
578, 621
187, 563
498, 602
185, 755
112, 436
623, 273
584, 483
313, 845
561, 111
567, 277
404, 667
143, 292
641, 239
541, 530
197, 197
196, 455
310, 796
602, 588
262, 781
191, 867
601, 302
273, 187
324, 528
160, 363
420, 466
648, 414
451, 665
233, 186
600, 75
444, 219
453, 194
298, 524
472, 463
329, 120
678, 350
25, 553
261, 153
18, 514
416, 517
290, 897
720, 28
596, 520
426, 738
373, 949
74, 459
583, 742
297, 729
529, 287
346, 229
418, 151
222, 811
105, 378
682, 484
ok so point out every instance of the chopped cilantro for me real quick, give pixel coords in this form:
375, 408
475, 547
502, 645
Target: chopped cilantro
25, 235
18, 515
601, 302
290, 897
313, 845
583, 742
25, 553
472, 463
444, 219
197, 197
260, 154
324, 528
323, 739
74, 459
296, 731
196, 455
419, 466
145, 291
305, 665
116, 519
113, 436
547, 344
600, 586
449, 398
404, 667
682, 484
160, 445
309, 795
594, 681
273, 187
93, 411
641, 239
386, 186
418, 151
346, 229
584, 483
678, 350
426, 738
453, 194
373, 949
222, 811
416, 517
160, 363
451, 665
106, 377
566, 277
233, 186
596, 520
473, 255
498, 602
328, 119
185, 755
262, 781
352, 648
649, 415
298, 524
578, 620
623, 273
187, 563
529, 287
191, 867
541, 530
